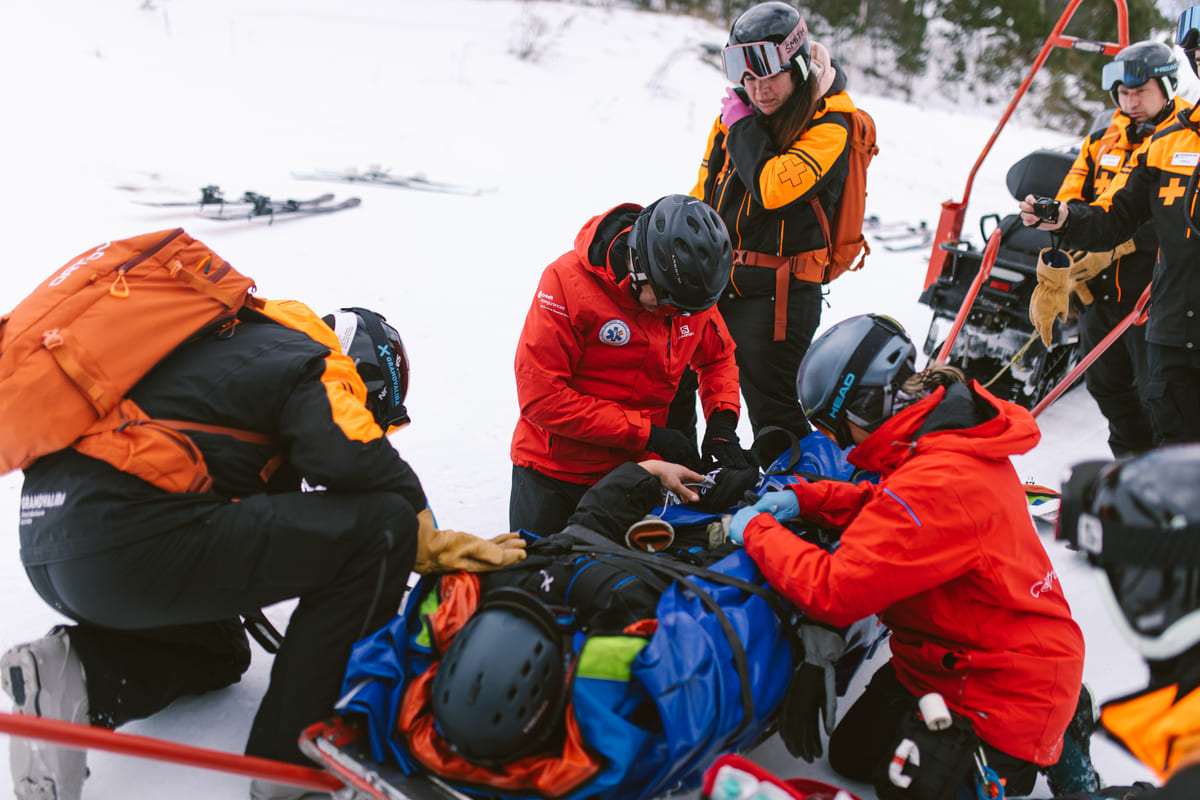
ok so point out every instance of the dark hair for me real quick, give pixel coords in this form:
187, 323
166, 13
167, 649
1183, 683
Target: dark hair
796, 113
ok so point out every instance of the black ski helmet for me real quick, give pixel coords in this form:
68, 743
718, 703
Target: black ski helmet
680, 246
1138, 521
380, 358
775, 22
500, 689
1138, 63
852, 373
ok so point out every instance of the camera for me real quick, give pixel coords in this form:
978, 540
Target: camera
1046, 209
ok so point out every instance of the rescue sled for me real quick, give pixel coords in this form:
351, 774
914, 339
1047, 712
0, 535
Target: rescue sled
708, 680
980, 300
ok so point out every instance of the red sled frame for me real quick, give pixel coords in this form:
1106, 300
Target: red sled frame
949, 229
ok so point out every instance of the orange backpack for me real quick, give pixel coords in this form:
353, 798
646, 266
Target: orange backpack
847, 237
71, 350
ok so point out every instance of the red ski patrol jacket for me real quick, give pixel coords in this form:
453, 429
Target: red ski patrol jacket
595, 370
943, 550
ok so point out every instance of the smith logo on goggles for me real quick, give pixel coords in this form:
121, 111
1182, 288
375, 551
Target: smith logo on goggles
764, 59
1131, 73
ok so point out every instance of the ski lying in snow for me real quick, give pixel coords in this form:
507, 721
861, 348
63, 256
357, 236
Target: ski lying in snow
212, 196
874, 225
907, 232
340, 746
912, 244
271, 209
383, 177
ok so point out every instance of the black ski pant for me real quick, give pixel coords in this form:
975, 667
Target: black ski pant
766, 368
1117, 380
158, 619
540, 504
865, 739
1174, 393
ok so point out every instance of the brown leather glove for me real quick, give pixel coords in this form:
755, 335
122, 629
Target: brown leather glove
1051, 297
440, 550
1085, 265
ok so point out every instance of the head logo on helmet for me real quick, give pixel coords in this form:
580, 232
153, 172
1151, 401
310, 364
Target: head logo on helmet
847, 382
852, 374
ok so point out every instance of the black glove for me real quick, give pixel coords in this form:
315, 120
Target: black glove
674, 446
812, 693
721, 447
800, 713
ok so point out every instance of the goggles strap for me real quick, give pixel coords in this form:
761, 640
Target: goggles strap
852, 373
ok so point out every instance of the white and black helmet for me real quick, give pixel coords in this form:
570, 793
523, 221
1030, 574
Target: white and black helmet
1139, 63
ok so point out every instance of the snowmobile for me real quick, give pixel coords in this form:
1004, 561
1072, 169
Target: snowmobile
984, 296
997, 343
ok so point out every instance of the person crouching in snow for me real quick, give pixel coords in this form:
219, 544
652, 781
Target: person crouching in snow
613, 325
942, 549
156, 581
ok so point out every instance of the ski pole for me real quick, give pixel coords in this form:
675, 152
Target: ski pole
74, 734
1135, 317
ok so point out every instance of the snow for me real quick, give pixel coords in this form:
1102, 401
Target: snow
111, 102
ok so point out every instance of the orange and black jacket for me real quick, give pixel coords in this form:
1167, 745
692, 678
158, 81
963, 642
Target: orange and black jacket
763, 195
1102, 156
261, 376
1153, 186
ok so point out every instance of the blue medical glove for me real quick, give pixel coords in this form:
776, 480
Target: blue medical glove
781, 505
737, 525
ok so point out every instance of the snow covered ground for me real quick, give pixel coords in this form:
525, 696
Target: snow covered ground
110, 102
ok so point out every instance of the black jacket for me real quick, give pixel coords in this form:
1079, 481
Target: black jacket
1154, 187
263, 377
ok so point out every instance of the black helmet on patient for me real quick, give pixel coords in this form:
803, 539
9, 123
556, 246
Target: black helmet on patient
380, 358
500, 690
852, 373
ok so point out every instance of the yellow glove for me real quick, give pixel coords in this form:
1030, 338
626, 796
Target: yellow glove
1051, 298
446, 550
1085, 265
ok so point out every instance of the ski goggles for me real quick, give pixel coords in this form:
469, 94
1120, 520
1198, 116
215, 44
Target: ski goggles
764, 59
1132, 73
1188, 34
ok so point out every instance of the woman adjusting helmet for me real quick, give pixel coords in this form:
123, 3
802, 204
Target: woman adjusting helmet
853, 373
766, 39
680, 247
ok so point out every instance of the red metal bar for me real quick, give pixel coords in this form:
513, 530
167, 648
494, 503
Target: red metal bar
1135, 317
950, 224
985, 269
73, 734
